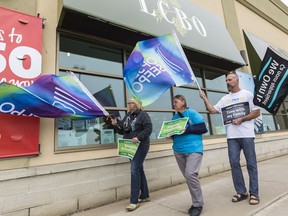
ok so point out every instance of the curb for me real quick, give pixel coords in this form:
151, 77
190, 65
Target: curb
270, 206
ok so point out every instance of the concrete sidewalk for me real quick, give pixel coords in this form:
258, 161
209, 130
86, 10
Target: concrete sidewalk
217, 190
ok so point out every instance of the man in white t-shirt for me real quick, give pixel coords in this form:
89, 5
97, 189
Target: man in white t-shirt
240, 135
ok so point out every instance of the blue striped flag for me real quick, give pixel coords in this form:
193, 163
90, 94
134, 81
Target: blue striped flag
154, 66
51, 96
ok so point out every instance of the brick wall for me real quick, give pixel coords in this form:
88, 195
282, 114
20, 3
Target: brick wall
65, 188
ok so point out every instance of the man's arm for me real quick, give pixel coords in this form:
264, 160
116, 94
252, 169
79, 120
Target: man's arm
252, 115
208, 105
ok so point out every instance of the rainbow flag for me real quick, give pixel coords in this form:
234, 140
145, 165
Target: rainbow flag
154, 66
50, 96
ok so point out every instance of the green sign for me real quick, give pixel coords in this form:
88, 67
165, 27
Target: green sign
126, 148
172, 127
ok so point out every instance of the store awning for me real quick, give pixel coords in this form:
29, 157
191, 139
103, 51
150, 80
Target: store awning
256, 49
197, 29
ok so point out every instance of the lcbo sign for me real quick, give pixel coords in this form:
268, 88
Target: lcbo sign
20, 47
175, 16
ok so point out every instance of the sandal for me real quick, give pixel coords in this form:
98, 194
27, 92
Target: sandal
239, 197
132, 207
144, 200
254, 200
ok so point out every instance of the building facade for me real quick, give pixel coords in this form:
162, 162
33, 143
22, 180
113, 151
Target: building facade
77, 166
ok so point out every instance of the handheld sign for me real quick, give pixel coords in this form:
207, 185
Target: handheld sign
232, 112
126, 148
172, 127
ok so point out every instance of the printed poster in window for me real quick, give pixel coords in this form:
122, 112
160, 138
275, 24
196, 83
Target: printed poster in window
107, 136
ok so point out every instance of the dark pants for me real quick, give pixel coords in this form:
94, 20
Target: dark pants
139, 187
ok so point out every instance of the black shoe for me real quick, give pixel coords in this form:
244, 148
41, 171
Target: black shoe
195, 211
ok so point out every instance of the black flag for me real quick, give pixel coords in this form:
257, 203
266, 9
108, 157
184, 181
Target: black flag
106, 98
271, 85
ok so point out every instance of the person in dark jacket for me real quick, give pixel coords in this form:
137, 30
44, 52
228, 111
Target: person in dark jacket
137, 126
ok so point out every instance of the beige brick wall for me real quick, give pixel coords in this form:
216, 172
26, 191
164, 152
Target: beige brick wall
69, 187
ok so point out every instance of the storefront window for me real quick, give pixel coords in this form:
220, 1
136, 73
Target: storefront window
97, 84
157, 120
86, 133
216, 119
214, 97
281, 110
192, 98
100, 67
281, 117
268, 123
286, 105
205, 116
89, 56
217, 125
263, 111
215, 81
281, 122
99, 63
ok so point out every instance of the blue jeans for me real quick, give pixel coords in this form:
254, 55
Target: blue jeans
234, 149
139, 186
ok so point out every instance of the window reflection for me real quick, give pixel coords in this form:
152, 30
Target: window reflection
217, 125
192, 98
268, 123
281, 110
86, 132
264, 111
96, 83
157, 120
215, 81
89, 56
281, 122
102, 76
205, 116
286, 106
214, 97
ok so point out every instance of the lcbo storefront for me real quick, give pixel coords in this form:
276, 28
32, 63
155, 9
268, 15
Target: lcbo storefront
56, 166
105, 63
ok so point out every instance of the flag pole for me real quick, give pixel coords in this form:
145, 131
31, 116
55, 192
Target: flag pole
110, 117
185, 59
198, 85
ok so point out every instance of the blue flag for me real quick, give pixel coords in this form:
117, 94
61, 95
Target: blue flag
154, 66
51, 96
